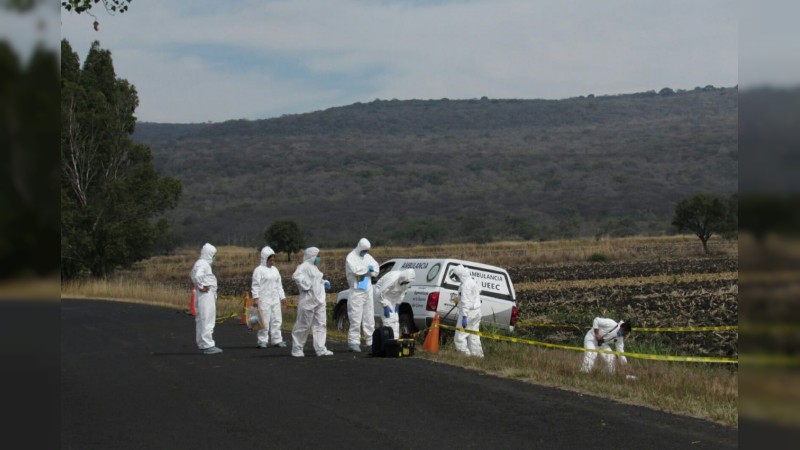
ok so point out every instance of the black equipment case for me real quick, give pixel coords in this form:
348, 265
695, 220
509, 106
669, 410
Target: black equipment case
380, 337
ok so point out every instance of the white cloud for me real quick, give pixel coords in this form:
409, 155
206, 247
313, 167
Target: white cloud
210, 60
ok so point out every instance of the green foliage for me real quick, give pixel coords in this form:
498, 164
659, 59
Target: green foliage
29, 169
85, 6
111, 194
419, 231
81, 6
618, 227
731, 228
704, 215
520, 228
284, 236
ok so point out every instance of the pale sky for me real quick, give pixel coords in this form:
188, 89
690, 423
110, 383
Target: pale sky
211, 60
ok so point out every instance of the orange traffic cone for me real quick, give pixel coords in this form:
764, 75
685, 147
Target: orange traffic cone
192, 300
432, 339
245, 304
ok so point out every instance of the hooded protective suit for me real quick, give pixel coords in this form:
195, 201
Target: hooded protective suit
310, 306
268, 291
610, 333
469, 307
390, 291
206, 283
360, 309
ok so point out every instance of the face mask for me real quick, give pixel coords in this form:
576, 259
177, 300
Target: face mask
619, 333
316, 260
213, 258
363, 252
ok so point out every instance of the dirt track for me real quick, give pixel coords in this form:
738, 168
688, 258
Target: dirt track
131, 377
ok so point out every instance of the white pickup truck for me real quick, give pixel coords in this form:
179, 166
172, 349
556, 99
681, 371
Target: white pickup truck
434, 290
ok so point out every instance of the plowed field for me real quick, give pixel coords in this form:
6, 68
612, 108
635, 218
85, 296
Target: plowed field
669, 293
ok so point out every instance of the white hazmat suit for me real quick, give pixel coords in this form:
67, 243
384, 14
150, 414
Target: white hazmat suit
310, 306
469, 312
267, 290
390, 291
610, 333
206, 284
360, 310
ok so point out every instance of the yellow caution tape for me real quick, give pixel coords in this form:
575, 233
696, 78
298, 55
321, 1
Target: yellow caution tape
556, 325
719, 328
221, 319
705, 359
654, 329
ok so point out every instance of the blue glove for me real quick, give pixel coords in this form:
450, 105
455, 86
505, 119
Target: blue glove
371, 269
464, 322
327, 285
387, 311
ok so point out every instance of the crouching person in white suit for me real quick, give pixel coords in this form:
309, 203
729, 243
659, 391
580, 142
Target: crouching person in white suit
605, 332
390, 291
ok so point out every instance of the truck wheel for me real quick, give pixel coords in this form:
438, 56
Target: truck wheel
341, 318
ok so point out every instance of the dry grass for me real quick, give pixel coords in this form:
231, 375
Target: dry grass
126, 289
564, 251
239, 261
133, 291
707, 392
620, 282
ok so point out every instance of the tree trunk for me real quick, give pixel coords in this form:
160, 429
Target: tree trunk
705, 246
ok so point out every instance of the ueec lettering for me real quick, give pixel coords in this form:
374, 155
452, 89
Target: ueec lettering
492, 286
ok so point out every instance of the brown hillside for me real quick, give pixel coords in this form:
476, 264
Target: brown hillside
453, 170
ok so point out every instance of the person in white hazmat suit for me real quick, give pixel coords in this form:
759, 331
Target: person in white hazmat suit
267, 293
206, 284
360, 267
310, 305
469, 314
390, 290
605, 332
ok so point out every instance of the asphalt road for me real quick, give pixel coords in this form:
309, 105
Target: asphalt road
131, 377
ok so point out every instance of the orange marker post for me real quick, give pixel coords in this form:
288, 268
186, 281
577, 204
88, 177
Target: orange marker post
432, 339
246, 305
192, 301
